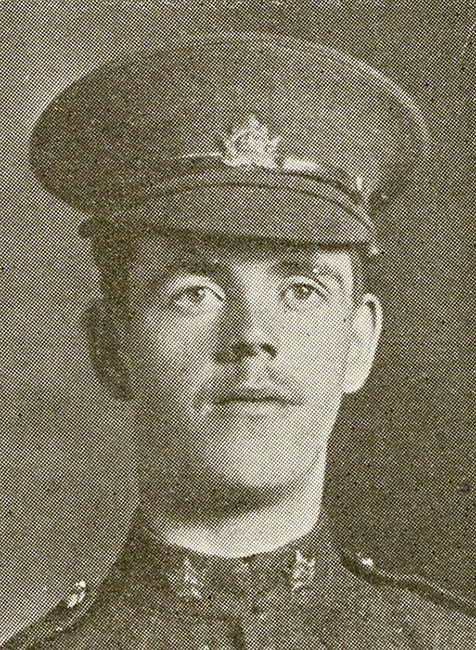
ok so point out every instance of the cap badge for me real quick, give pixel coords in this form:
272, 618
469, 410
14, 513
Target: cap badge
249, 145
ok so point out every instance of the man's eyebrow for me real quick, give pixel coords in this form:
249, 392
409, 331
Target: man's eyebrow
311, 268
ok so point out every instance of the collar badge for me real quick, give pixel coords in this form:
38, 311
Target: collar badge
249, 145
303, 572
187, 581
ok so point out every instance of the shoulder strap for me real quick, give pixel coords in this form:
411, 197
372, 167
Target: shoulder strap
53, 623
365, 568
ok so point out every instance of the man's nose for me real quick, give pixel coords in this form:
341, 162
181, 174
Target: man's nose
249, 332
242, 349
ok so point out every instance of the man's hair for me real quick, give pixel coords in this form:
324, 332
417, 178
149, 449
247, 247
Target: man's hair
114, 253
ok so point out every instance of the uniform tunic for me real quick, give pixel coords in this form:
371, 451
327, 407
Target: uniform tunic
304, 596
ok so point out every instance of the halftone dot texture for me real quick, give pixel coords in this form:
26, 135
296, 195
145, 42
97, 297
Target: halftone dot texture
401, 467
300, 596
149, 127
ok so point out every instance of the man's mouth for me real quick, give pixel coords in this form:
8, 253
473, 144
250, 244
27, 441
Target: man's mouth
254, 401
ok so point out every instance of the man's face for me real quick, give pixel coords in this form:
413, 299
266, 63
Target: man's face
237, 355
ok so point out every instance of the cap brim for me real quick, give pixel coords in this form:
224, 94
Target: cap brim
242, 211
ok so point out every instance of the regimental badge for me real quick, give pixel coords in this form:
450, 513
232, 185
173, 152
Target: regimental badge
302, 573
187, 581
249, 145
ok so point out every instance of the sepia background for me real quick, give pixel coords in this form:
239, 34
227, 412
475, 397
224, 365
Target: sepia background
402, 470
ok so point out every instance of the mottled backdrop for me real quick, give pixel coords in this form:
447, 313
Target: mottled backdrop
402, 478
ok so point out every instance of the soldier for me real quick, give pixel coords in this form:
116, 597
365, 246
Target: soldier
230, 185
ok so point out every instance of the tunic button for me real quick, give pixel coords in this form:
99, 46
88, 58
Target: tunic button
77, 595
365, 561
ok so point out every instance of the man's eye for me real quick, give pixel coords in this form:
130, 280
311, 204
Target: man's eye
300, 297
196, 300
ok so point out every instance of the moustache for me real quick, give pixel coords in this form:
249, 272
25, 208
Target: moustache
270, 388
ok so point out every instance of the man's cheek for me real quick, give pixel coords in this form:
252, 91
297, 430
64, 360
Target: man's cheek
323, 337
164, 353
317, 351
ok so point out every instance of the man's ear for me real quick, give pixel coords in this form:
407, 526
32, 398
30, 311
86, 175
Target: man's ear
366, 328
104, 350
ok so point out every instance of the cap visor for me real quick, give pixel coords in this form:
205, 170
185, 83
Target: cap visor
242, 211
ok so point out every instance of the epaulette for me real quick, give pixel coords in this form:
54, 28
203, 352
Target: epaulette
364, 567
57, 620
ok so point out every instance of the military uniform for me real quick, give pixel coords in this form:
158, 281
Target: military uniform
305, 595
242, 136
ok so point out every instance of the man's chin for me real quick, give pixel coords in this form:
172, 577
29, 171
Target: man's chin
235, 497
216, 492
253, 459
260, 477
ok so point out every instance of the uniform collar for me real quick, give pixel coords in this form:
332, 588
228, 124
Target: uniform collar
190, 576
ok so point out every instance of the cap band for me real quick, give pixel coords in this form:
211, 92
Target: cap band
216, 175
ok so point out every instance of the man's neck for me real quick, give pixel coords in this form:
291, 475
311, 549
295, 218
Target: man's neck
261, 530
